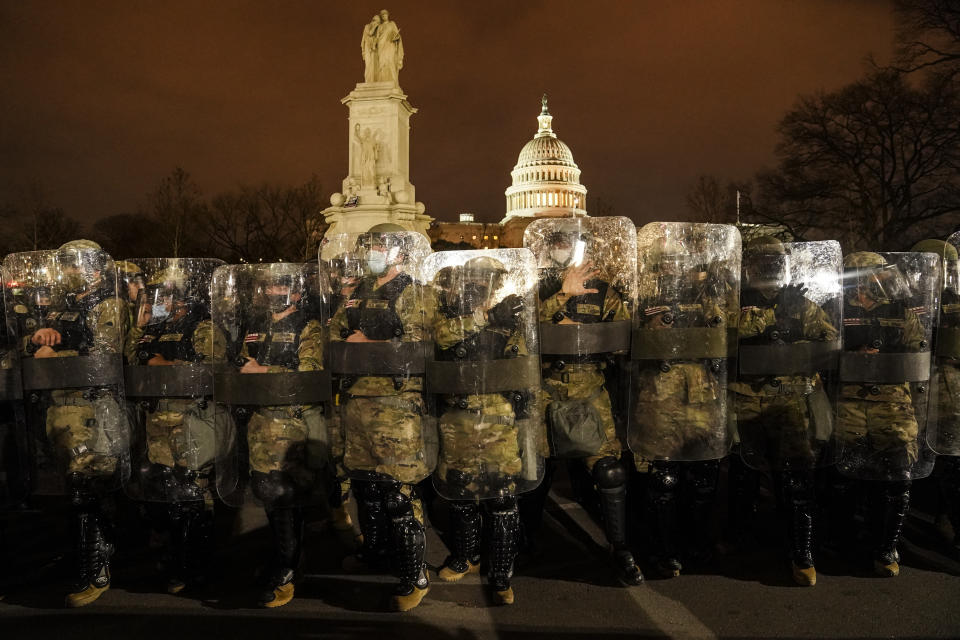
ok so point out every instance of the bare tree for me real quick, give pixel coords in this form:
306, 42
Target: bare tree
874, 164
928, 36
177, 208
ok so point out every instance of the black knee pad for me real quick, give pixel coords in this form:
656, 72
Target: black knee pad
703, 476
274, 489
609, 473
398, 504
664, 478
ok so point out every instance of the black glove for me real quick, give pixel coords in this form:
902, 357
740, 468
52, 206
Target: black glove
506, 313
790, 302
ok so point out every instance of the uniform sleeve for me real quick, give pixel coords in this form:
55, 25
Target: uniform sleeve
107, 324
338, 323
412, 315
816, 324
131, 343
310, 352
913, 333
614, 306
209, 342
449, 331
518, 340
553, 304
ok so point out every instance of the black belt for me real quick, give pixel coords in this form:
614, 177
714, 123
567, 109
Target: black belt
806, 358
72, 372
378, 358
264, 389
457, 377
594, 337
180, 380
885, 368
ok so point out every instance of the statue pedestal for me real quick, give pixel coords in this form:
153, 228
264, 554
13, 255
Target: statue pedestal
377, 188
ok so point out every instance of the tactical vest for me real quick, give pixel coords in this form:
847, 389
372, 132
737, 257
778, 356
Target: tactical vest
880, 328
172, 340
71, 322
280, 345
786, 331
375, 315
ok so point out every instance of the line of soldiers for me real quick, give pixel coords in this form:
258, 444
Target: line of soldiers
383, 366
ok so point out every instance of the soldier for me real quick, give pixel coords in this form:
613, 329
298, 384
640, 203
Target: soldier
584, 321
486, 379
783, 413
280, 411
377, 351
168, 352
884, 372
76, 398
679, 430
944, 435
131, 282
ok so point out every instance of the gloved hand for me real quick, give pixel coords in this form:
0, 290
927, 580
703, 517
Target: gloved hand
506, 313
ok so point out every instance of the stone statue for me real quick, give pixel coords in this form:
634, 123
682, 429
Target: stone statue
369, 146
389, 50
368, 49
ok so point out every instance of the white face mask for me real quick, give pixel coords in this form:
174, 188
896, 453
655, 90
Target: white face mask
561, 256
377, 262
158, 313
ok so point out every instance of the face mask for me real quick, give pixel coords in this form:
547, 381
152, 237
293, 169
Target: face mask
158, 313
377, 262
561, 256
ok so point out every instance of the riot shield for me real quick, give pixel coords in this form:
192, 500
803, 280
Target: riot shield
587, 272
484, 372
168, 375
883, 405
789, 347
377, 356
14, 453
683, 340
943, 433
69, 327
271, 388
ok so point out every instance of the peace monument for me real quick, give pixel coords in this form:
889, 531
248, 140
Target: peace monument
377, 188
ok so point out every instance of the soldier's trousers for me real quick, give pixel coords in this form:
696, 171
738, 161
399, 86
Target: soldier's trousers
679, 508
391, 520
503, 518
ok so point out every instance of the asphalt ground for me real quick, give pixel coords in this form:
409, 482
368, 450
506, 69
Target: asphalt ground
565, 590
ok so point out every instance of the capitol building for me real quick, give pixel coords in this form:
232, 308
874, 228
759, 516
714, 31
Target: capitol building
545, 183
546, 180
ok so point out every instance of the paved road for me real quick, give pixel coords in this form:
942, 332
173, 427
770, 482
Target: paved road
570, 596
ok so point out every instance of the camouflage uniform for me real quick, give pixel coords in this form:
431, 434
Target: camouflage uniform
681, 405
179, 436
576, 385
480, 440
876, 430
774, 419
382, 420
85, 426
286, 443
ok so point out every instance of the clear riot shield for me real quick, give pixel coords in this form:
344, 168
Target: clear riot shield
587, 271
944, 431
14, 453
271, 388
484, 372
889, 309
789, 347
684, 338
69, 326
378, 347
168, 375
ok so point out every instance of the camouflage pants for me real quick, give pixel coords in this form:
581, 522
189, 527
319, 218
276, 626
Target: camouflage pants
776, 430
180, 434
384, 434
887, 429
679, 414
482, 443
947, 441
579, 385
291, 439
89, 434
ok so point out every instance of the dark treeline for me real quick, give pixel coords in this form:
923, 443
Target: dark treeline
251, 223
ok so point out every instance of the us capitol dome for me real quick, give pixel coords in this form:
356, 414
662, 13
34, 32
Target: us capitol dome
546, 180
